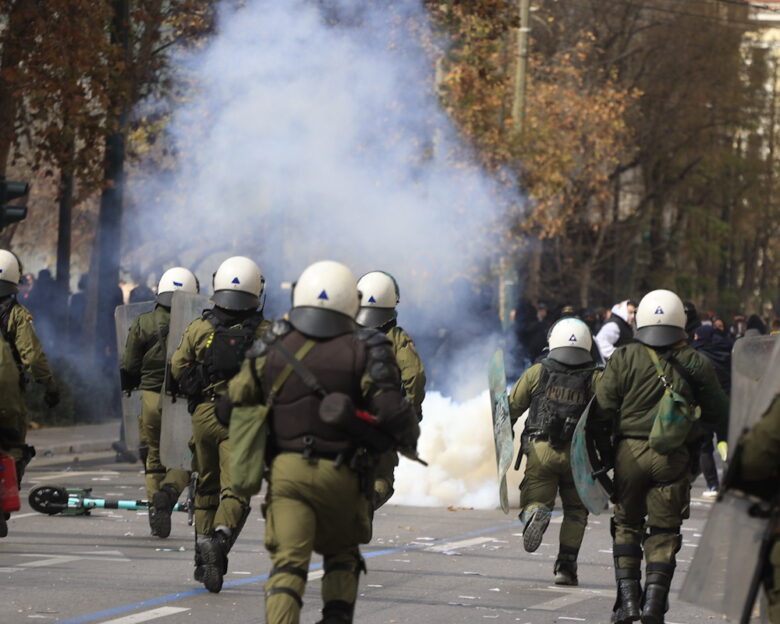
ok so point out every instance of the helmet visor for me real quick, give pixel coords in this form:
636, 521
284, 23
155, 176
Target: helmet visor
572, 356
235, 300
375, 317
660, 335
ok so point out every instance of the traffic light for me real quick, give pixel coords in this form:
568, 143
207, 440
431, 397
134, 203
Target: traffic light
10, 191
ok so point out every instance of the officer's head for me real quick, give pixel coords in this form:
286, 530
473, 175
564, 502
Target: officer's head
325, 300
660, 319
177, 278
238, 284
10, 273
379, 295
570, 342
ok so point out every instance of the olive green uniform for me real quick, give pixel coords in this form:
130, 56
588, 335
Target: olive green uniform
318, 494
216, 504
413, 380
652, 491
548, 471
144, 361
22, 338
760, 461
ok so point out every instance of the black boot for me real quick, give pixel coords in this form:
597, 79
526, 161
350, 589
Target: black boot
160, 511
655, 601
199, 541
214, 552
337, 612
3, 524
626, 607
566, 567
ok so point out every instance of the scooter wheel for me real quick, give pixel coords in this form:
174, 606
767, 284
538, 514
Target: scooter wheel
48, 499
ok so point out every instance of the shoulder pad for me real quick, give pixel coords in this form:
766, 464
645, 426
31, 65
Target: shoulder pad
208, 315
278, 328
372, 337
260, 347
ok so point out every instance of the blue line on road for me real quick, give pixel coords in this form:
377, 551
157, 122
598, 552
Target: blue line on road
153, 602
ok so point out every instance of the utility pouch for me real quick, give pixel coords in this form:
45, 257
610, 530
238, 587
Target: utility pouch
338, 410
249, 435
673, 415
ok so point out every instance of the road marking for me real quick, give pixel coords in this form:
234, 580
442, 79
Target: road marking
99, 615
103, 553
562, 601
446, 546
27, 515
145, 616
49, 561
68, 475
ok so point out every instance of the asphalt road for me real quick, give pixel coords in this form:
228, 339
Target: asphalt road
433, 565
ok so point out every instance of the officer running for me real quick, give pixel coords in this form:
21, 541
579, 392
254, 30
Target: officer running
143, 367
379, 298
210, 353
652, 489
20, 354
318, 498
556, 390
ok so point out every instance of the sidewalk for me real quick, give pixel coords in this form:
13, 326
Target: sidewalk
49, 441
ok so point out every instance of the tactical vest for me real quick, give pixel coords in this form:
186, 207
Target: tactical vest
227, 345
338, 364
557, 403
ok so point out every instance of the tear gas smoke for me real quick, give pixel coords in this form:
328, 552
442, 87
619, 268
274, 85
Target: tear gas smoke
313, 131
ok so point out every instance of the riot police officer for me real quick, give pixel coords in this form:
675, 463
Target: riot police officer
556, 390
379, 297
210, 353
756, 470
319, 490
143, 366
20, 354
652, 488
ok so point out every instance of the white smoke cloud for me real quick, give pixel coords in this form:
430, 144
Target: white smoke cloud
306, 139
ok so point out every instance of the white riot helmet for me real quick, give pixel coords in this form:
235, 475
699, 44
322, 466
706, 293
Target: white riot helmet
238, 284
10, 273
177, 278
570, 342
325, 300
378, 297
660, 319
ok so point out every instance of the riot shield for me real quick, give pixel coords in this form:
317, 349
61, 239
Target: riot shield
176, 422
124, 316
724, 572
586, 469
755, 381
502, 427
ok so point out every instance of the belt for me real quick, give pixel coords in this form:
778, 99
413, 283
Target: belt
332, 456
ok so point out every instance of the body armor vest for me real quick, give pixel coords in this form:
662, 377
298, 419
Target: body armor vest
558, 402
626, 333
338, 364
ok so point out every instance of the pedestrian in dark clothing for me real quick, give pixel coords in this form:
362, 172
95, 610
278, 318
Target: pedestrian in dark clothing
533, 333
692, 322
717, 348
141, 293
755, 326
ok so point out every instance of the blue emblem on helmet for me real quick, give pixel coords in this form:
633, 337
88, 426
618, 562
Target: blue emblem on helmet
235, 281
178, 284
659, 310
323, 296
371, 299
573, 338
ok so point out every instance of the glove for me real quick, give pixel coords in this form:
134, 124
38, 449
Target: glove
52, 397
128, 381
222, 409
723, 450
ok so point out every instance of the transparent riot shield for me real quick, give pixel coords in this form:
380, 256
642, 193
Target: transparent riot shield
502, 428
176, 422
124, 316
755, 380
724, 570
587, 473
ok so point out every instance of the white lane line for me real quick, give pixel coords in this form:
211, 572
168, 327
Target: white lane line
563, 601
27, 515
68, 475
49, 560
145, 616
447, 546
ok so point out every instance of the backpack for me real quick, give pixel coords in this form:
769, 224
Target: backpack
227, 346
673, 416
